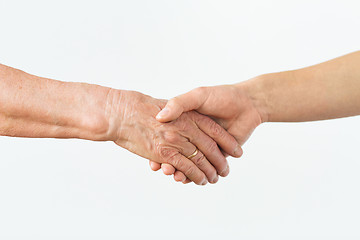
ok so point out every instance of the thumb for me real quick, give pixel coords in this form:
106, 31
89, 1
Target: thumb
182, 103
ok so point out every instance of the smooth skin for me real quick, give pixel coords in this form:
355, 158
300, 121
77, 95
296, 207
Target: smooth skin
324, 91
38, 107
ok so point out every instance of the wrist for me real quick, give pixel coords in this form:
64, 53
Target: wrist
120, 113
270, 95
114, 113
255, 90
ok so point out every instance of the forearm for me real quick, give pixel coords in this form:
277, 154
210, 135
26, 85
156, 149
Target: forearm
32, 106
324, 91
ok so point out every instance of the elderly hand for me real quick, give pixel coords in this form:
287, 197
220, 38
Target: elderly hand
132, 125
228, 105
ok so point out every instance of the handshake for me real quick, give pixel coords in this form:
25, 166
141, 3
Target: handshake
189, 136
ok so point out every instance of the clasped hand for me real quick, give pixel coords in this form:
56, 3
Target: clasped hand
192, 145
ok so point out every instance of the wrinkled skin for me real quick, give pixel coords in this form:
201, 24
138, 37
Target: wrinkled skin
228, 105
132, 125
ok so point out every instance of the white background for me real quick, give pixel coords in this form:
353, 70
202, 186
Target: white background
294, 180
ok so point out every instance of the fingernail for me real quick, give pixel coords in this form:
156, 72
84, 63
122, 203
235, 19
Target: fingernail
238, 151
163, 113
215, 179
204, 182
226, 171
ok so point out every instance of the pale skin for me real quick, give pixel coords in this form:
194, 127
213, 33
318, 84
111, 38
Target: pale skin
38, 107
324, 91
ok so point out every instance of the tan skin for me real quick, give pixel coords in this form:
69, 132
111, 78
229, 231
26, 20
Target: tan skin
37, 107
324, 91
141, 133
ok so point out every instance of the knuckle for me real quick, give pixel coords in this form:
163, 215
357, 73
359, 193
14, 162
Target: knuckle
212, 147
215, 129
176, 162
175, 103
171, 137
190, 171
185, 124
200, 90
165, 152
200, 160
